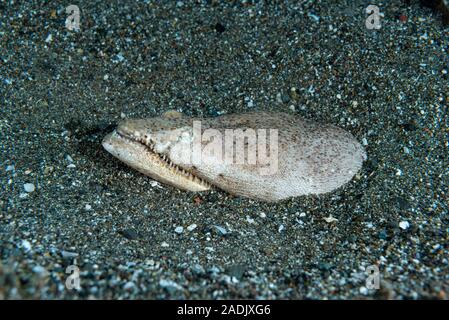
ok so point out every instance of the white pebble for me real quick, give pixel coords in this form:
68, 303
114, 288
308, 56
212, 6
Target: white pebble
302, 214
154, 183
313, 16
164, 245
279, 97
49, 38
404, 225
68, 254
221, 230
330, 219
119, 58
39, 270
179, 230
364, 142
88, 207
262, 215
169, 284
26, 245
29, 187
9, 168
249, 220
192, 227
129, 285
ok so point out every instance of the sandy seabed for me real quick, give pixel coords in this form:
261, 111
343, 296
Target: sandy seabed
66, 203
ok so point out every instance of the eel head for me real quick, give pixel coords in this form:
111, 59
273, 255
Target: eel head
156, 147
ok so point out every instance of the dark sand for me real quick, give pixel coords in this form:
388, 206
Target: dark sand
61, 94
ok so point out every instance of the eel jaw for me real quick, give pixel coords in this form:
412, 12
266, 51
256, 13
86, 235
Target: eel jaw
142, 157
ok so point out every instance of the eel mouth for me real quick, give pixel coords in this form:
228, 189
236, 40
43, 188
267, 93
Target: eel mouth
140, 154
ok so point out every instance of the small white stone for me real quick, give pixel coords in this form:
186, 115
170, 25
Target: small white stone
404, 225
29, 187
41, 271
398, 172
338, 96
330, 219
68, 254
71, 166
129, 285
192, 227
281, 228
169, 284
149, 262
262, 215
154, 183
302, 214
165, 245
364, 142
363, 290
221, 230
106, 77
10, 168
118, 58
279, 97
313, 16
249, 220
49, 38
88, 207
26, 245
179, 229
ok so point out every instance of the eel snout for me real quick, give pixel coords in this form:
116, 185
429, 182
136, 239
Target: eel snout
144, 159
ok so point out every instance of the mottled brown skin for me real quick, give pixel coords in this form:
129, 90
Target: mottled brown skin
312, 158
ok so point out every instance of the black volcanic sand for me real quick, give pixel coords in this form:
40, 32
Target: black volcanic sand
63, 91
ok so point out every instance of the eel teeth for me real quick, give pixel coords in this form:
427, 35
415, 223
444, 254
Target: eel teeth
168, 163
